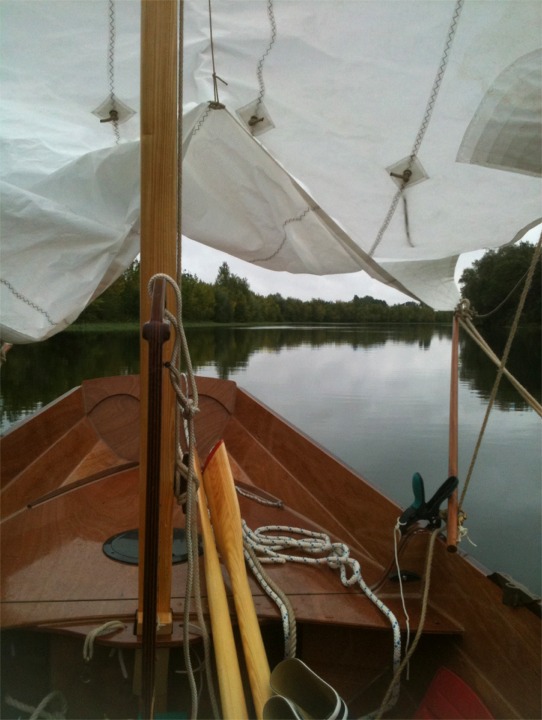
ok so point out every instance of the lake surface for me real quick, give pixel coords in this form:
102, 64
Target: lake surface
376, 397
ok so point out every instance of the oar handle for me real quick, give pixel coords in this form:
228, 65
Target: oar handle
226, 521
229, 675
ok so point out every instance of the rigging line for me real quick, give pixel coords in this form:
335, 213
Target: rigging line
467, 325
500, 372
259, 68
215, 76
188, 404
192, 577
437, 82
407, 223
113, 112
180, 93
421, 622
499, 306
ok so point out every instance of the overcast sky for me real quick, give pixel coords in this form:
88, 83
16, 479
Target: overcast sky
204, 262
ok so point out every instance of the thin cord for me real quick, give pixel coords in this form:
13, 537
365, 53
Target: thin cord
113, 112
500, 372
437, 82
392, 689
215, 76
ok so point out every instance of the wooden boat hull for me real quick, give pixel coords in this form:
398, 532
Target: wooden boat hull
70, 482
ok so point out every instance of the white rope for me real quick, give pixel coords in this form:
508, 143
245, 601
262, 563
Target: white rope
39, 711
187, 408
393, 688
105, 629
273, 591
396, 534
319, 551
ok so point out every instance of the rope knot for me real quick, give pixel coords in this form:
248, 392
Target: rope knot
464, 309
190, 409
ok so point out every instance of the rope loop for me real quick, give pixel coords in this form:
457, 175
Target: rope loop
464, 310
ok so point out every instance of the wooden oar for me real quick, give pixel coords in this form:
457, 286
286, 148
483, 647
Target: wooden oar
229, 676
226, 521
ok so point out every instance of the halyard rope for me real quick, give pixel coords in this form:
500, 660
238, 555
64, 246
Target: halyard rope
187, 403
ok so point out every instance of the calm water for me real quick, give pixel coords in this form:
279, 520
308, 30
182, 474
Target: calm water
376, 397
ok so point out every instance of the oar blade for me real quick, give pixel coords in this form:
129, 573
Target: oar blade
226, 520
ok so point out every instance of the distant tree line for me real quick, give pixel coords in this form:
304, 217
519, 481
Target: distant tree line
494, 284
230, 300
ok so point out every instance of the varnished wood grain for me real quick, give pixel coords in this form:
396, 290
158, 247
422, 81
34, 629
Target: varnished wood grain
54, 572
50, 470
226, 522
229, 675
26, 441
158, 219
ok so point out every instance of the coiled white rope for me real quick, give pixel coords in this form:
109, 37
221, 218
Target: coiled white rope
318, 550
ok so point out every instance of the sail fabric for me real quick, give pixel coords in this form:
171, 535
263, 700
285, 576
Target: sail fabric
65, 240
266, 217
341, 94
346, 88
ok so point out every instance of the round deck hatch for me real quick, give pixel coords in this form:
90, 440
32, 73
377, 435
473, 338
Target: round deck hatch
124, 547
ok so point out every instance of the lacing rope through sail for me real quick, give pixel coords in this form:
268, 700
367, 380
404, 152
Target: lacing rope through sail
259, 68
407, 173
215, 76
113, 113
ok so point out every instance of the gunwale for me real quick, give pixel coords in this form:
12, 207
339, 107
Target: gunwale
269, 455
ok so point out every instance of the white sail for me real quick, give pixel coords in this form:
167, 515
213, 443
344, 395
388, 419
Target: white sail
344, 94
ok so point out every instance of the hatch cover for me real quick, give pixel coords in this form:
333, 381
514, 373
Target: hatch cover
124, 547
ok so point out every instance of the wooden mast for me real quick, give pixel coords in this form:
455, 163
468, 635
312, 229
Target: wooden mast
158, 254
